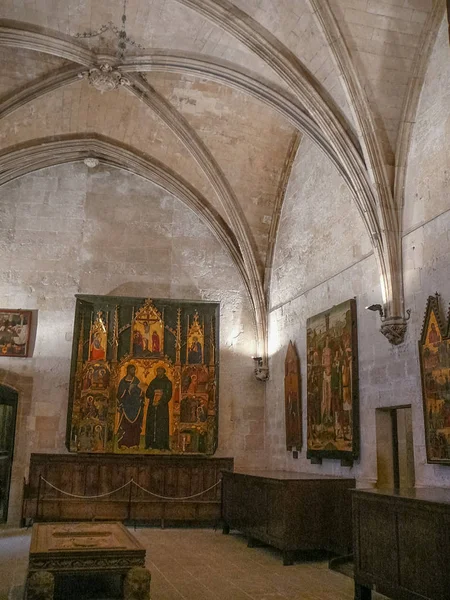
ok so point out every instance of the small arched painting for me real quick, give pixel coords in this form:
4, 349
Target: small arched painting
293, 409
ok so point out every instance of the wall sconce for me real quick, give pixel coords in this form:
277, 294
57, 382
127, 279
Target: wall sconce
261, 370
376, 308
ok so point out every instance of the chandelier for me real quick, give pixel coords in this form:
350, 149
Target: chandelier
105, 77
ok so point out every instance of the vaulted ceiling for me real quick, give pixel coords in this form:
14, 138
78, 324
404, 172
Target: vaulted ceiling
216, 97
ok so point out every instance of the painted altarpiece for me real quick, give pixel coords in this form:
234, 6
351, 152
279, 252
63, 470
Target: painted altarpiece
434, 352
292, 399
332, 384
144, 376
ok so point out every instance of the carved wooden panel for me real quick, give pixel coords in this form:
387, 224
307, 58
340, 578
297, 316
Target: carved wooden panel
402, 543
79, 547
291, 511
171, 477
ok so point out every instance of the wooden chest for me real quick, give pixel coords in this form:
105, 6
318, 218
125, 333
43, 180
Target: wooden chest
291, 511
402, 543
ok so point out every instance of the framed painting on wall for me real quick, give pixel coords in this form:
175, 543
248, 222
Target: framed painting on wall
144, 376
332, 384
15, 327
292, 399
434, 352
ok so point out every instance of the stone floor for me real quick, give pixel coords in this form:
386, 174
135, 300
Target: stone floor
203, 564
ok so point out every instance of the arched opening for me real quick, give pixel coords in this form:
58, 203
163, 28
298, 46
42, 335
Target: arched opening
8, 412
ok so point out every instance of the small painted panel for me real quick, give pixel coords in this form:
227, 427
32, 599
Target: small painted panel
332, 384
15, 327
148, 332
293, 411
97, 343
196, 342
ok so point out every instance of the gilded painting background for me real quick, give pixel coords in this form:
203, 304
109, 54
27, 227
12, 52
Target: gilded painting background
144, 376
434, 351
332, 384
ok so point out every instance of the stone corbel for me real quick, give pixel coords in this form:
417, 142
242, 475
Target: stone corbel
394, 328
261, 368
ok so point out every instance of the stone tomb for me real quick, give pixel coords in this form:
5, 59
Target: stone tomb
62, 553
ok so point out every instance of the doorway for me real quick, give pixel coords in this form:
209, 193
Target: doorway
395, 448
8, 412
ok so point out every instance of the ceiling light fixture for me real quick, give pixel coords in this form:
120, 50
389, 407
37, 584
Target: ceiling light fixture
376, 308
121, 33
105, 77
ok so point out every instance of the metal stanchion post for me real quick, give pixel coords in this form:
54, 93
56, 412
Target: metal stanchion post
129, 499
36, 514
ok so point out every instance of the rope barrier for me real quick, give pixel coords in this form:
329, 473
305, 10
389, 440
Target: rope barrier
179, 497
124, 486
86, 497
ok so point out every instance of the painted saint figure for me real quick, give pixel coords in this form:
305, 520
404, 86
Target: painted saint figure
89, 411
145, 337
155, 342
347, 397
20, 337
326, 389
195, 352
130, 397
159, 393
138, 343
202, 413
433, 336
97, 352
336, 395
293, 422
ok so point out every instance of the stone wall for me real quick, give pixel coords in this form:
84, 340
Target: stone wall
68, 230
322, 257
426, 222
340, 266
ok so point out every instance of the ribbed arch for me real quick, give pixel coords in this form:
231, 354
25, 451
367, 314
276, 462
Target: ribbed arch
340, 144
376, 209
48, 152
309, 106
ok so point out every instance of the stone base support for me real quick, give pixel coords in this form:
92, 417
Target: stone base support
136, 585
40, 586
